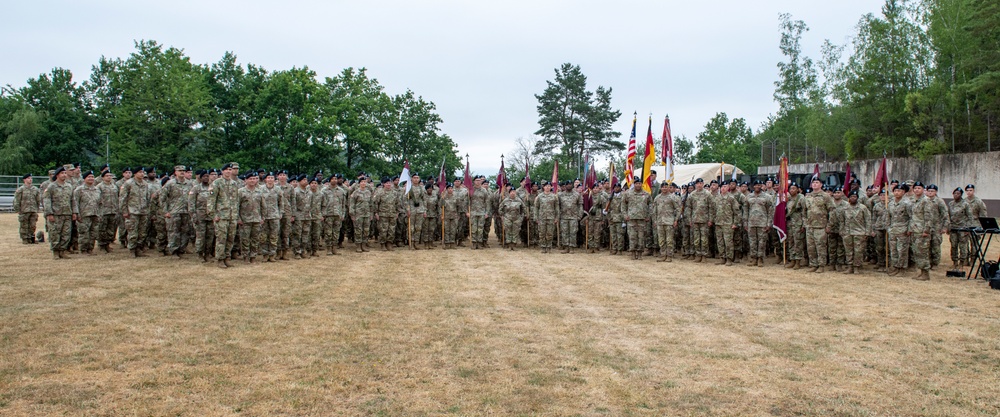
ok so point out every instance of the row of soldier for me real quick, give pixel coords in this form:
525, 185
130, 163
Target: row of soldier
272, 214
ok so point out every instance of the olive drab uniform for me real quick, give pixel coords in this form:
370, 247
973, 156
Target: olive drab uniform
943, 221
462, 196
431, 226
204, 227
880, 225
361, 213
287, 213
794, 222
334, 210
666, 214
818, 206
513, 212
133, 199
760, 217
108, 212
595, 218
856, 226
701, 209
87, 208
316, 221
960, 216
835, 239
386, 206
570, 211
899, 242
635, 205
174, 200
58, 202
27, 203
480, 207
417, 213
546, 210
157, 234
251, 215
451, 219
223, 205
726, 217
924, 223
616, 226
302, 225
272, 206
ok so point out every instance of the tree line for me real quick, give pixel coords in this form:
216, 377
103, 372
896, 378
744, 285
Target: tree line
158, 107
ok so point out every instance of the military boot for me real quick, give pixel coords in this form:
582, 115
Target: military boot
924, 275
252, 260
760, 262
820, 270
662, 258
222, 264
798, 264
813, 269
722, 261
790, 264
55, 255
729, 262
849, 270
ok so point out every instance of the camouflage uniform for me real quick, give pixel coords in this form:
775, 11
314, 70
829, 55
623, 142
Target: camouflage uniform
635, 205
570, 211
251, 214
595, 218
386, 206
701, 208
856, 226
27, 203
430, 228
727, 218
666, 213
108, 212
287, 213
960, 215
86, 207
835, 240
546, 210
978, 208
360, 208
270, 226
334, 210
417, 214
451, 218
480, 207
303, 223
174, 201
796, 233
223, 205
880, 225
616, 220
899, 242
316, 222
204, 227
760, 217
942, 224
512, 211
923, 224
158, 223
58, 202
462, 203
818, 206
133, 199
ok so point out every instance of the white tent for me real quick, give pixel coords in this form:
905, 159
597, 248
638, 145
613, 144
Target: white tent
686, 173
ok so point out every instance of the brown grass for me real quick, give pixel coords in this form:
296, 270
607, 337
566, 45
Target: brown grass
485, 333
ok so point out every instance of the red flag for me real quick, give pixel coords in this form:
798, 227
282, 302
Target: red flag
816, 172
555, 176
666, 142
882, 175
468, 179
780, 222
589, 180
527, 178
647, 160
614, 176
442, 181
630, 156
847, 179
501, 178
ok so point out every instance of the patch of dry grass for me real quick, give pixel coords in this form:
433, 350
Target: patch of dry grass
485, 332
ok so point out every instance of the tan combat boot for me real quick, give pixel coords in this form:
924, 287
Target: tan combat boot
222, 264
924, 275
820, 270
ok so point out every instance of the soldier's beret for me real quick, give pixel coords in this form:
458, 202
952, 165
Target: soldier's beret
918, 184
86, 174
699, 180
852, 193
903, 187
25, 176
105, 166
449, 186
855, 181
958, 190
793, 184
414, 174
757, 182
825, 188
226, 166
636, 179
140, 169
127, 169
664, 184
316, 180
200, 172
932, 187
837, 189
107, 172
151, 169
338, 175
894, 182
261, 171
809, 190
76, 165
428, 186
816, 178
970, 187
395, 177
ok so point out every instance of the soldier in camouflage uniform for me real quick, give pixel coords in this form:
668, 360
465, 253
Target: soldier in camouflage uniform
899, 235
726, 218
334, 209
272, 206
856, 227
108, 211
416, 210
452, 216
666, 213
27, 202
157, 217
462, 195
924, 222
204, 227
251, 215
133, 201
760, 217
122, 229
360, 209
943, 222
86, 212
978, 210
570, 212
288, 211
835, 241
480, 206
796, 229
818, 206
513, 212
635, 205
595, 217
960, 217
546, 210
174, 202
58, 202
316, 217
700, 201
301, 223
223, 209
878, 205
386, 205
432, 205
616, 221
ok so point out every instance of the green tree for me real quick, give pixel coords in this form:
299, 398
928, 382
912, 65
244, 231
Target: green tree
361, 108
730, 141
573, 121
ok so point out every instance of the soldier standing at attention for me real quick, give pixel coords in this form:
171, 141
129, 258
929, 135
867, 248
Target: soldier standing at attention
570, 211
878, 205
855, 229
86, 212
479, 200
58, 202
727, 219
960, 216
416, 210
616, 221
818, 206
700, 201
759, 220
223, 209
303, 223
287, 212
108, 211
315, 216
547, 212
204, 227
635, 205
27, 202
796, 230
361, 213
174, 201
595, 217
432, 205
156, 216
272, 201
512, 210
835, 241
451, 217
666, 212
899, 234
386, 206
334, 210
133, 201
251, 209
942, 224
923, 224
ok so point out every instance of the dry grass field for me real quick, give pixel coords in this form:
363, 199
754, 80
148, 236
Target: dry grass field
487, 332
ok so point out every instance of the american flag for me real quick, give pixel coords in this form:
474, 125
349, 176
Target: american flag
631, 154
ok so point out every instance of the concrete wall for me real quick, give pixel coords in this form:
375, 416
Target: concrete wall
947, 171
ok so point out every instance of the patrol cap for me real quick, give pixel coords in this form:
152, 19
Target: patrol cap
52, 172
234, 165
181, 168
86, 174
25, 176
970, 187
67, 167
932, 187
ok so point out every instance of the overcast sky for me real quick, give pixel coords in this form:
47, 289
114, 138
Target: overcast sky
480, 62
